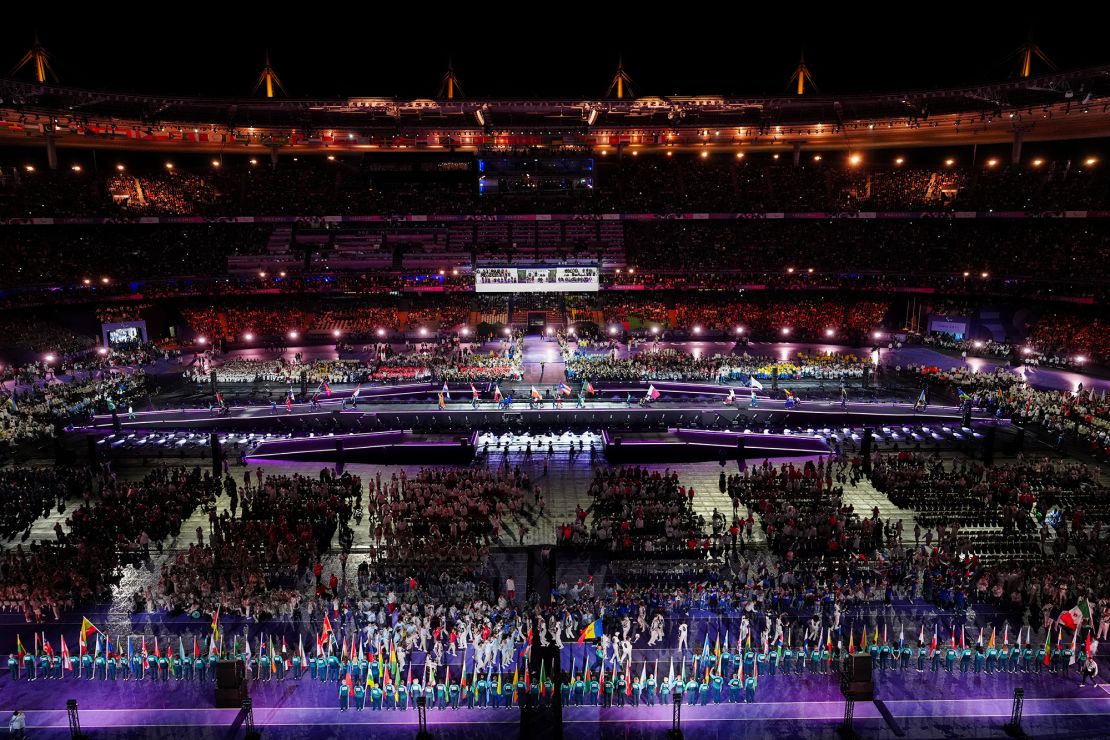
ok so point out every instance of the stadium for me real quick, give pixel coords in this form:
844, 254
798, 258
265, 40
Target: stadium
547, 414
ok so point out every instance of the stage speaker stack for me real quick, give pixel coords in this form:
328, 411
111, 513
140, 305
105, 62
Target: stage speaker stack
217, 456
857, 684
865, 450
231, 686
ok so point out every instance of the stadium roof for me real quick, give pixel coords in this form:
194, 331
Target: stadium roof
1061, 105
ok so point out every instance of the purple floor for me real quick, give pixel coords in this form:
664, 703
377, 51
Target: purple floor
922, 704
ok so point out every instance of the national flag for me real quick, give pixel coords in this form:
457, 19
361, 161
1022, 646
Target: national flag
754, 384
590, 388
516, 677
991, 643
196, 648
921, 398
96, 650
87, 629
1071, 660
216, 621
350, 685
536, 394
474, 391
300, 652
851, 642
653, 394
961, 395
446, 391
65, 654
902, 637
933, 646
1006, 635
1076, 616
979, 642
499, 683
325, 629
731, 398
354, 394
600, 682
963, 634
247, 651
592, 631
875, 638
327, 388
49, 649
543, 679
863, 640
921, 635
885, 641
1047, 647
19, 649
953, 635
145, 656
219, 398
564, 389
289, 401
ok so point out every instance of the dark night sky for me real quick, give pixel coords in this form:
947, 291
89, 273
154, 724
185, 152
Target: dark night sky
199, 49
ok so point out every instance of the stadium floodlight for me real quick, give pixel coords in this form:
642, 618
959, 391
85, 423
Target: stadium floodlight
1080, 359
248, 336
899, 160
464, 331
102, 350
1038, 162
336, 333
201, 340
697, 330
830, 332
878, 335
1027, 350
381, 332
786, 331
293, 334
86, 281
739, 330
612, 330
655, 330
1090, 161
49, 358
423, 331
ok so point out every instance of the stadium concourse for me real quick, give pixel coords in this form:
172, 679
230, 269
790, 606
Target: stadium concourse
687, 416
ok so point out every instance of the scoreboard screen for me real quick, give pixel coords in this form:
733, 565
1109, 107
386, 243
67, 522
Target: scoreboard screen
535, 279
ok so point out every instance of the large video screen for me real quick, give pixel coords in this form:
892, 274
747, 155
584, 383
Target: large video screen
535, 279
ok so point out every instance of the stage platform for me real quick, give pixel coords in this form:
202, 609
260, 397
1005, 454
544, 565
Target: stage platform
380, 416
